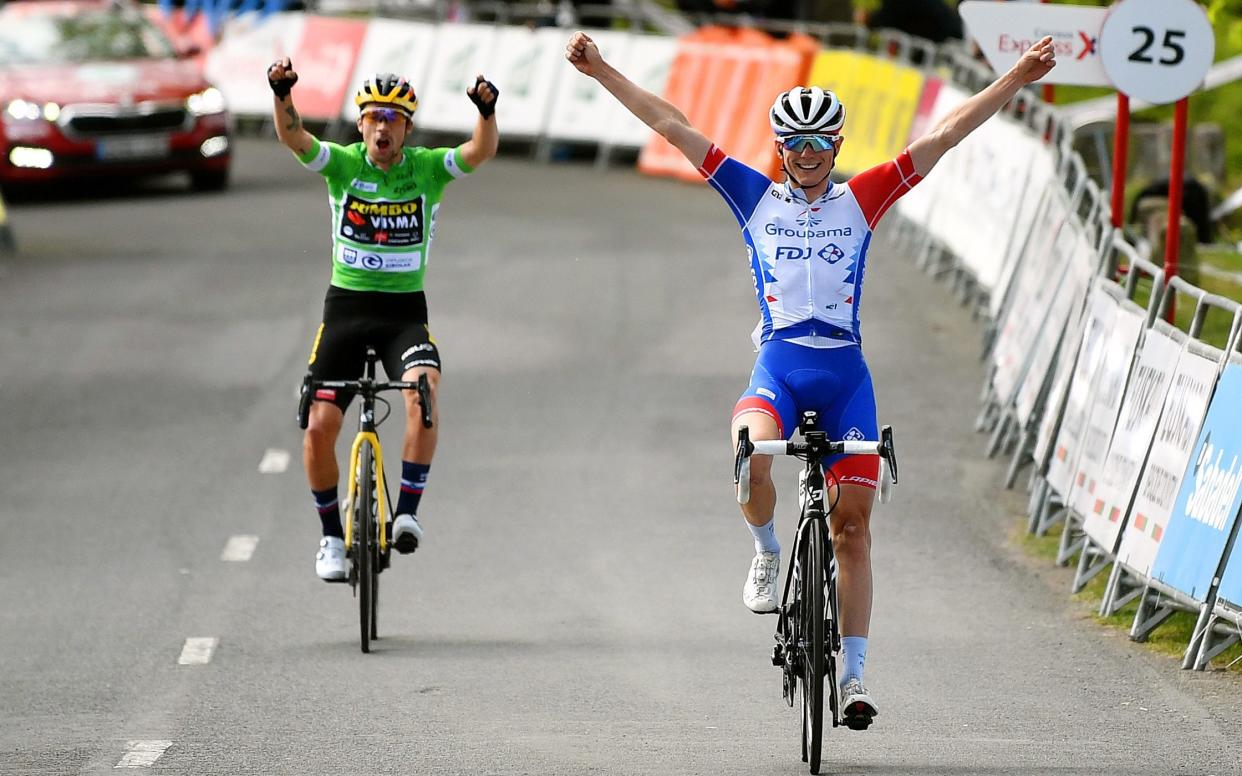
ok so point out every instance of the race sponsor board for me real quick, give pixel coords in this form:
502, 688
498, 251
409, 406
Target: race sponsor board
648, 61
582, 110
1140, 410
238, 64
529, 62
1105, 404
1209, 498
392, 46
1004, 31
1172, 443
916, 204
462, 52
324, 62
1102, 313
1041, 176
1063, 321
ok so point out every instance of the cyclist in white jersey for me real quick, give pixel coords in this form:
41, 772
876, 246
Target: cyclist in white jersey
807, 240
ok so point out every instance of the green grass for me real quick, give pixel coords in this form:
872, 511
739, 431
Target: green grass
1169, 639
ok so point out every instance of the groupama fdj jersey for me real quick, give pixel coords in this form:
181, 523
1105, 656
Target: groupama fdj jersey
382, 222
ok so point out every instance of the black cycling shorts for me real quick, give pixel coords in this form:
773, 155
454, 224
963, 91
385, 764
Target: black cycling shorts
394, 324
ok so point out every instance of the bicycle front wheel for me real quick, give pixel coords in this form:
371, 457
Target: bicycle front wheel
811, 623
364, 533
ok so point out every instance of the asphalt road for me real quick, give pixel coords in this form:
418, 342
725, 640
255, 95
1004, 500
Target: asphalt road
576, 606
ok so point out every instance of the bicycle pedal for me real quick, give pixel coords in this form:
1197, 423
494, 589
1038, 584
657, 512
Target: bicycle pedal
857, 717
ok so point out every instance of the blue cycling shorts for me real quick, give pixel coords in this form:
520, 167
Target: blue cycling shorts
790, 379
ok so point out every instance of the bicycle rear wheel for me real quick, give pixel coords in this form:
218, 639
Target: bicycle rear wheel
811, 625
363, 541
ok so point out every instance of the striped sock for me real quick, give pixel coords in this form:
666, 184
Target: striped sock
413, 480
329, 512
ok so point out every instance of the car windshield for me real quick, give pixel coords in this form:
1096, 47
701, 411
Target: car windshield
94, 36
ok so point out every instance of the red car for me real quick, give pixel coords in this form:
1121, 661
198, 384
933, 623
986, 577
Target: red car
92, 88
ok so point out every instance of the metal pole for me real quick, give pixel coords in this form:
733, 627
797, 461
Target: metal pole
1177, 173
1121, 154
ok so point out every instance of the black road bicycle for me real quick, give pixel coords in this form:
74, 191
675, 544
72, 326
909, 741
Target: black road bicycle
808, 637
368, 506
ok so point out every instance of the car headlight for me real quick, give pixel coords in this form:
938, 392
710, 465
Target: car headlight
206, 102
23, 110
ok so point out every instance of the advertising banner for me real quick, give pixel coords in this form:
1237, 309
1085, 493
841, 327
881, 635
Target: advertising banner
582, 110
921, 202
1211, 494
392, 46
530, 62
1064, 321
1184, 407
648, 60
238, 63
1042, 274
324, 63
1004, 31
1231, 583
1041, 176
1102, 309
1140, 409
462, 52
1110, 386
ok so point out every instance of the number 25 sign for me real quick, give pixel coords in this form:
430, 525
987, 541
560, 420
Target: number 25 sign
1157, 50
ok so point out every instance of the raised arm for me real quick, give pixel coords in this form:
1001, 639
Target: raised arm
281, 77
968, 116
483, 143
657, 113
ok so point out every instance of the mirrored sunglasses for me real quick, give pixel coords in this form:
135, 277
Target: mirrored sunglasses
796, 143
386, 115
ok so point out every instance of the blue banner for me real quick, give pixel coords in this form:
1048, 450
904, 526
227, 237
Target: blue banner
1211, 494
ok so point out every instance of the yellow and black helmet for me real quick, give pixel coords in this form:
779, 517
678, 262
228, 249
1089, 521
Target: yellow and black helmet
387, 89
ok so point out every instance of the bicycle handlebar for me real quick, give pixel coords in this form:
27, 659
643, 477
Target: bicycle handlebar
816, 444
366, 387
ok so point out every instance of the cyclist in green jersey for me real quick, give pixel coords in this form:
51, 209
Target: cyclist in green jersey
384, 199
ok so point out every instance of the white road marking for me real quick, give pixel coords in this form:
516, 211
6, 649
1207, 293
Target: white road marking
239, 548
142, 754
197, 651
274, 461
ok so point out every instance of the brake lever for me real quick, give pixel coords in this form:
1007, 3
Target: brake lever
304, 402
741, 465
888, 450
424, 399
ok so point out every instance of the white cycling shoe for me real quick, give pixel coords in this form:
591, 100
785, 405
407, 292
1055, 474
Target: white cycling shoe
330, 563
857, 708
759, 594
407, 533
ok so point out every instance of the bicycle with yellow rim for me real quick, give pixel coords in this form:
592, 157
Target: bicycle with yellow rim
368, 504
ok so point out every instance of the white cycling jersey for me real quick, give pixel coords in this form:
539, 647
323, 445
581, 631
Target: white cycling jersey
808, 258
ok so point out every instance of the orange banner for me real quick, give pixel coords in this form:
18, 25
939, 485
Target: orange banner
724, 80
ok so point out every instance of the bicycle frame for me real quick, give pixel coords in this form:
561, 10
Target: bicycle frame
366, 433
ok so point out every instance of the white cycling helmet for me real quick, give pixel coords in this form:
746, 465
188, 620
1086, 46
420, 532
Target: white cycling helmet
804, 109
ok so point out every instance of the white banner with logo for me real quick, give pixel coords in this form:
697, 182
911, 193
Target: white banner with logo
1042, 273
582, 110
1185, 405
648, 61
238, 64
1102, 311
1140, 409
528, 63
393, 46
1063, 321
1004, 31
462, 52
1105, 404
1041, 177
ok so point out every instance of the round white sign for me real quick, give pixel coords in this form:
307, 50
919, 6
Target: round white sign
1157, 50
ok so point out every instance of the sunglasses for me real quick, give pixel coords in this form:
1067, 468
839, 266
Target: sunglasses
386, 115
796, 143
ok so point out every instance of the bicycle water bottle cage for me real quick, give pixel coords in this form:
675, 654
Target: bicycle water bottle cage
809, 422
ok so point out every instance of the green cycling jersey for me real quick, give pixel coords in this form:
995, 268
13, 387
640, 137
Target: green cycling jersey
382, 222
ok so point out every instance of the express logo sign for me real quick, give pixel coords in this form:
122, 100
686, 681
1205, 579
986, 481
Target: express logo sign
396, 224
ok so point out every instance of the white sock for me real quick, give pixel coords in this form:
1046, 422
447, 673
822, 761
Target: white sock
854, 649
765, 536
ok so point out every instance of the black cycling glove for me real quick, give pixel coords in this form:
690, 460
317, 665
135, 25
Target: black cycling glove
281, 87
486, 107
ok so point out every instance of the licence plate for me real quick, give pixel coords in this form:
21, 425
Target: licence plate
133, 147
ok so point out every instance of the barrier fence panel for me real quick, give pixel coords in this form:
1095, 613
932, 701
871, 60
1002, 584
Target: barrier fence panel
392, 45
461, 52
238, 64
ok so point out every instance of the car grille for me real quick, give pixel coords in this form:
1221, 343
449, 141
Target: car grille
113, 120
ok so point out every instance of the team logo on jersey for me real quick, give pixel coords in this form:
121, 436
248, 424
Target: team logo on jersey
832, 253
366, 186
854, 435
396, 224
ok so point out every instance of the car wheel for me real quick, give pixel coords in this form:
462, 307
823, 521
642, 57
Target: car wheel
209, 180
